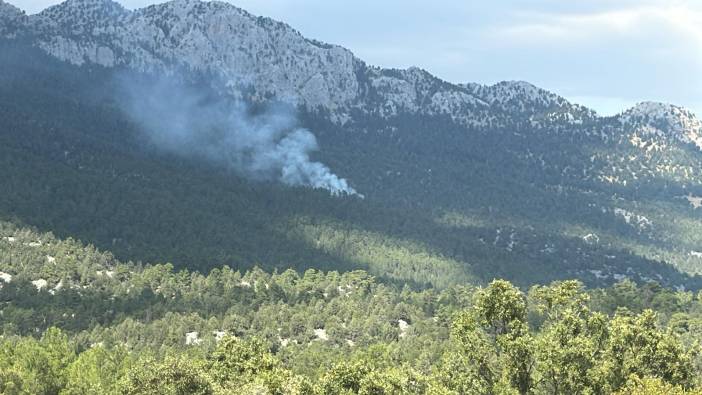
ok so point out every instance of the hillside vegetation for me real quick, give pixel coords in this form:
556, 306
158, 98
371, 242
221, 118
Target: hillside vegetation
75, 165
196, 200
76, 320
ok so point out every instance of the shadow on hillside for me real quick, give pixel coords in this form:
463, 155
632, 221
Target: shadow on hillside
72, 167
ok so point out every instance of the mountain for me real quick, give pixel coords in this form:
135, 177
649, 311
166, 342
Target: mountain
12, 20
462, 182
272, 57
663, 119
198, 200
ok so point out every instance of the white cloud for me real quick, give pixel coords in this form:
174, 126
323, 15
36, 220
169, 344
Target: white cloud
650, 51
637, 22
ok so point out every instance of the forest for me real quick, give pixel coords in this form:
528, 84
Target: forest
85, 172
468, 268
500, 344
75, 320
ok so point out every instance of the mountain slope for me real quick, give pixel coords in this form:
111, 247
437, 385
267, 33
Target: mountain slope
463, 182
221, 39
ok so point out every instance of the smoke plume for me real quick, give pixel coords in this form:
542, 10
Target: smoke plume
265, 144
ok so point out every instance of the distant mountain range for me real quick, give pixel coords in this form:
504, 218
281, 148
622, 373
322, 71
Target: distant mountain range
504, 180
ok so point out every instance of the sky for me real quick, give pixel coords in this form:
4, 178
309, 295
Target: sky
605, 54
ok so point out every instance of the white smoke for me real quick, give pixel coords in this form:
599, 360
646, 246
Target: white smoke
264, 145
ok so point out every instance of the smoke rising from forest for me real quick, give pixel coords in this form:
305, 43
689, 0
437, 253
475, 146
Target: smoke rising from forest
262, 144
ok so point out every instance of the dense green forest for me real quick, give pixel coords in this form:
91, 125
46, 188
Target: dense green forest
74, 165
75, 320
128, 270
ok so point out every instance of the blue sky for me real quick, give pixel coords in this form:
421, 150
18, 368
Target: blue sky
606, 54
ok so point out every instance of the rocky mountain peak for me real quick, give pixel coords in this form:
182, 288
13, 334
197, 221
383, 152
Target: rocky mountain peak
7, 10
194, 9
665, 120
521, 98
274, 59
84, 10
271, 59
511, 92
79, 17
11, 18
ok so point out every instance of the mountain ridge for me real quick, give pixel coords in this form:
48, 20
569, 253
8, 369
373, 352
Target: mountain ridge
506, 180
305, 71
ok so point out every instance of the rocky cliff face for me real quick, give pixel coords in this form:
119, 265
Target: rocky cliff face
269, 59
12, 20
664, 120
212, 37
273, 59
